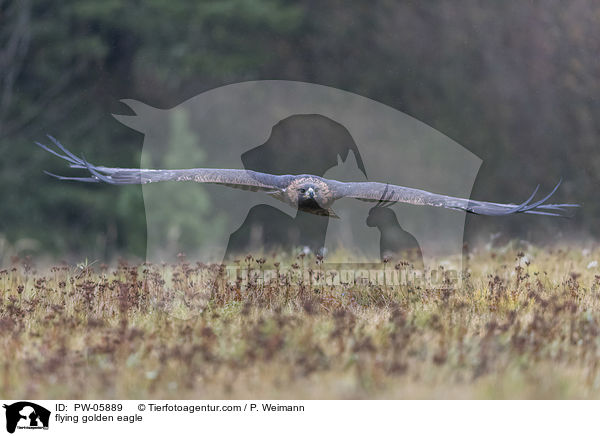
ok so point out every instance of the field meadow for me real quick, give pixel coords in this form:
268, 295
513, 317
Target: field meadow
524, 323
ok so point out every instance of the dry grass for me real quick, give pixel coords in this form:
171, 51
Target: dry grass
520, 326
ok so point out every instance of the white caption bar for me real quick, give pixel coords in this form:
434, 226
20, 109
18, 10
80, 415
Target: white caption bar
299, 417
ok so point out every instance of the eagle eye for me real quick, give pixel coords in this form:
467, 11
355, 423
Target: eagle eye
302, 190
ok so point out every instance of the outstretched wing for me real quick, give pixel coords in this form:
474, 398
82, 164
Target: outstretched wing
235, 178
382, 192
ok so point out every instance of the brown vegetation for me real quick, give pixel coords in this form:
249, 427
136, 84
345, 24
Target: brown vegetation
520, 326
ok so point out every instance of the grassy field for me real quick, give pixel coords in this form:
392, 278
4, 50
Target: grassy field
522, 325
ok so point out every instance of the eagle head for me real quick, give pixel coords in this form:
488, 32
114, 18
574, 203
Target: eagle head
309, 192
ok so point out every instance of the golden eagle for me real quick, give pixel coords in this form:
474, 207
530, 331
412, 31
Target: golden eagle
308, 193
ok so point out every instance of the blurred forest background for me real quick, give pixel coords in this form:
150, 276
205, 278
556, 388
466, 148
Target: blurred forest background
516, 83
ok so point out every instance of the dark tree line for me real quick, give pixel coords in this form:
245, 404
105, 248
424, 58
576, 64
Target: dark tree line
514, 82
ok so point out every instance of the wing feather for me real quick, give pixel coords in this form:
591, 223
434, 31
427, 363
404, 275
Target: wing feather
375, 191
235, 178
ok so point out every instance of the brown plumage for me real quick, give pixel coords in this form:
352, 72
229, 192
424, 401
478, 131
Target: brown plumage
306, 192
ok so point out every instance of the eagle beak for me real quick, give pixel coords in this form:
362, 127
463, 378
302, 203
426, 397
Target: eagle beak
311, 192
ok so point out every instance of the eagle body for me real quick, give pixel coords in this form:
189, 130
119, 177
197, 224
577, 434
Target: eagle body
310, 194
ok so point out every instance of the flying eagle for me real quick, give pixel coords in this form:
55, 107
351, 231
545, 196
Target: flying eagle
308, 193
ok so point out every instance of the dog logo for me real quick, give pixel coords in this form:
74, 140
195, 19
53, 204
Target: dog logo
26, 415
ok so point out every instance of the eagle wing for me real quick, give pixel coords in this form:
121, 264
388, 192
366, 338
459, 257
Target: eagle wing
276, 184
386, 193
235, 178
